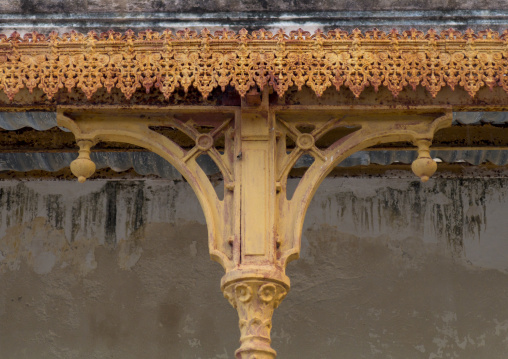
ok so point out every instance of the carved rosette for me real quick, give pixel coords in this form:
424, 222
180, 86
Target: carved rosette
255, 301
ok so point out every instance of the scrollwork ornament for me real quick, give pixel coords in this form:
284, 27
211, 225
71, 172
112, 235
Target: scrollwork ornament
90, 71
11, 80
242, 79
166, 78
187, 59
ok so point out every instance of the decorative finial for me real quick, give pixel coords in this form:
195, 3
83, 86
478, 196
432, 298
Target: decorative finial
83, 167
424, 166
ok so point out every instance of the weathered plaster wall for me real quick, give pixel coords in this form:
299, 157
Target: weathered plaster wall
390, 268
101, 15
204, 6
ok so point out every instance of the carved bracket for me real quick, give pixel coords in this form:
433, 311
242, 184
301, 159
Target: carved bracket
256, 229
367, 131
90, 129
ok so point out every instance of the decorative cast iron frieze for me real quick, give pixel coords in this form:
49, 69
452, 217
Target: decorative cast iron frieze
167, 61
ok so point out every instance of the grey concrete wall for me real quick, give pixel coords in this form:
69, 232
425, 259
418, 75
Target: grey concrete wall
390, 268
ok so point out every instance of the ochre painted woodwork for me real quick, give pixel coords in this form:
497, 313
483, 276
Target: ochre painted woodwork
255, 229
167, 61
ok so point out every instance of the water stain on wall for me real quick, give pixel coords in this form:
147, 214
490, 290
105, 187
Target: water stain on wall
389, 269
445, 211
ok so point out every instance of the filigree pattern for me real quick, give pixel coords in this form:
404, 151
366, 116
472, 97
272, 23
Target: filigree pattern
168, 61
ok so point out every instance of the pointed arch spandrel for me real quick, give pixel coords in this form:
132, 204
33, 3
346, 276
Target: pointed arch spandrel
98, 129
371, 132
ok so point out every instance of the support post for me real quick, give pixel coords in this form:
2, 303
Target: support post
257, 284
255, 230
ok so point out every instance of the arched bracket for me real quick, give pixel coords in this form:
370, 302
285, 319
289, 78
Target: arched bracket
91, 129
372, 131
255, 230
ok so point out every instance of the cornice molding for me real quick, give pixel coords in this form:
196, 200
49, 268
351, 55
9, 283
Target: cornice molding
310, 17
168, 60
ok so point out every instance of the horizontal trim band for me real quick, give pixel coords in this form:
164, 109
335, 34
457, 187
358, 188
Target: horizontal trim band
255, 15
254, 19
261, 58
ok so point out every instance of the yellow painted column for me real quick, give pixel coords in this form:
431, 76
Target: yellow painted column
258, 284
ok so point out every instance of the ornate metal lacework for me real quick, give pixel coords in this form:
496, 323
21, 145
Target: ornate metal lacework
168, 61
